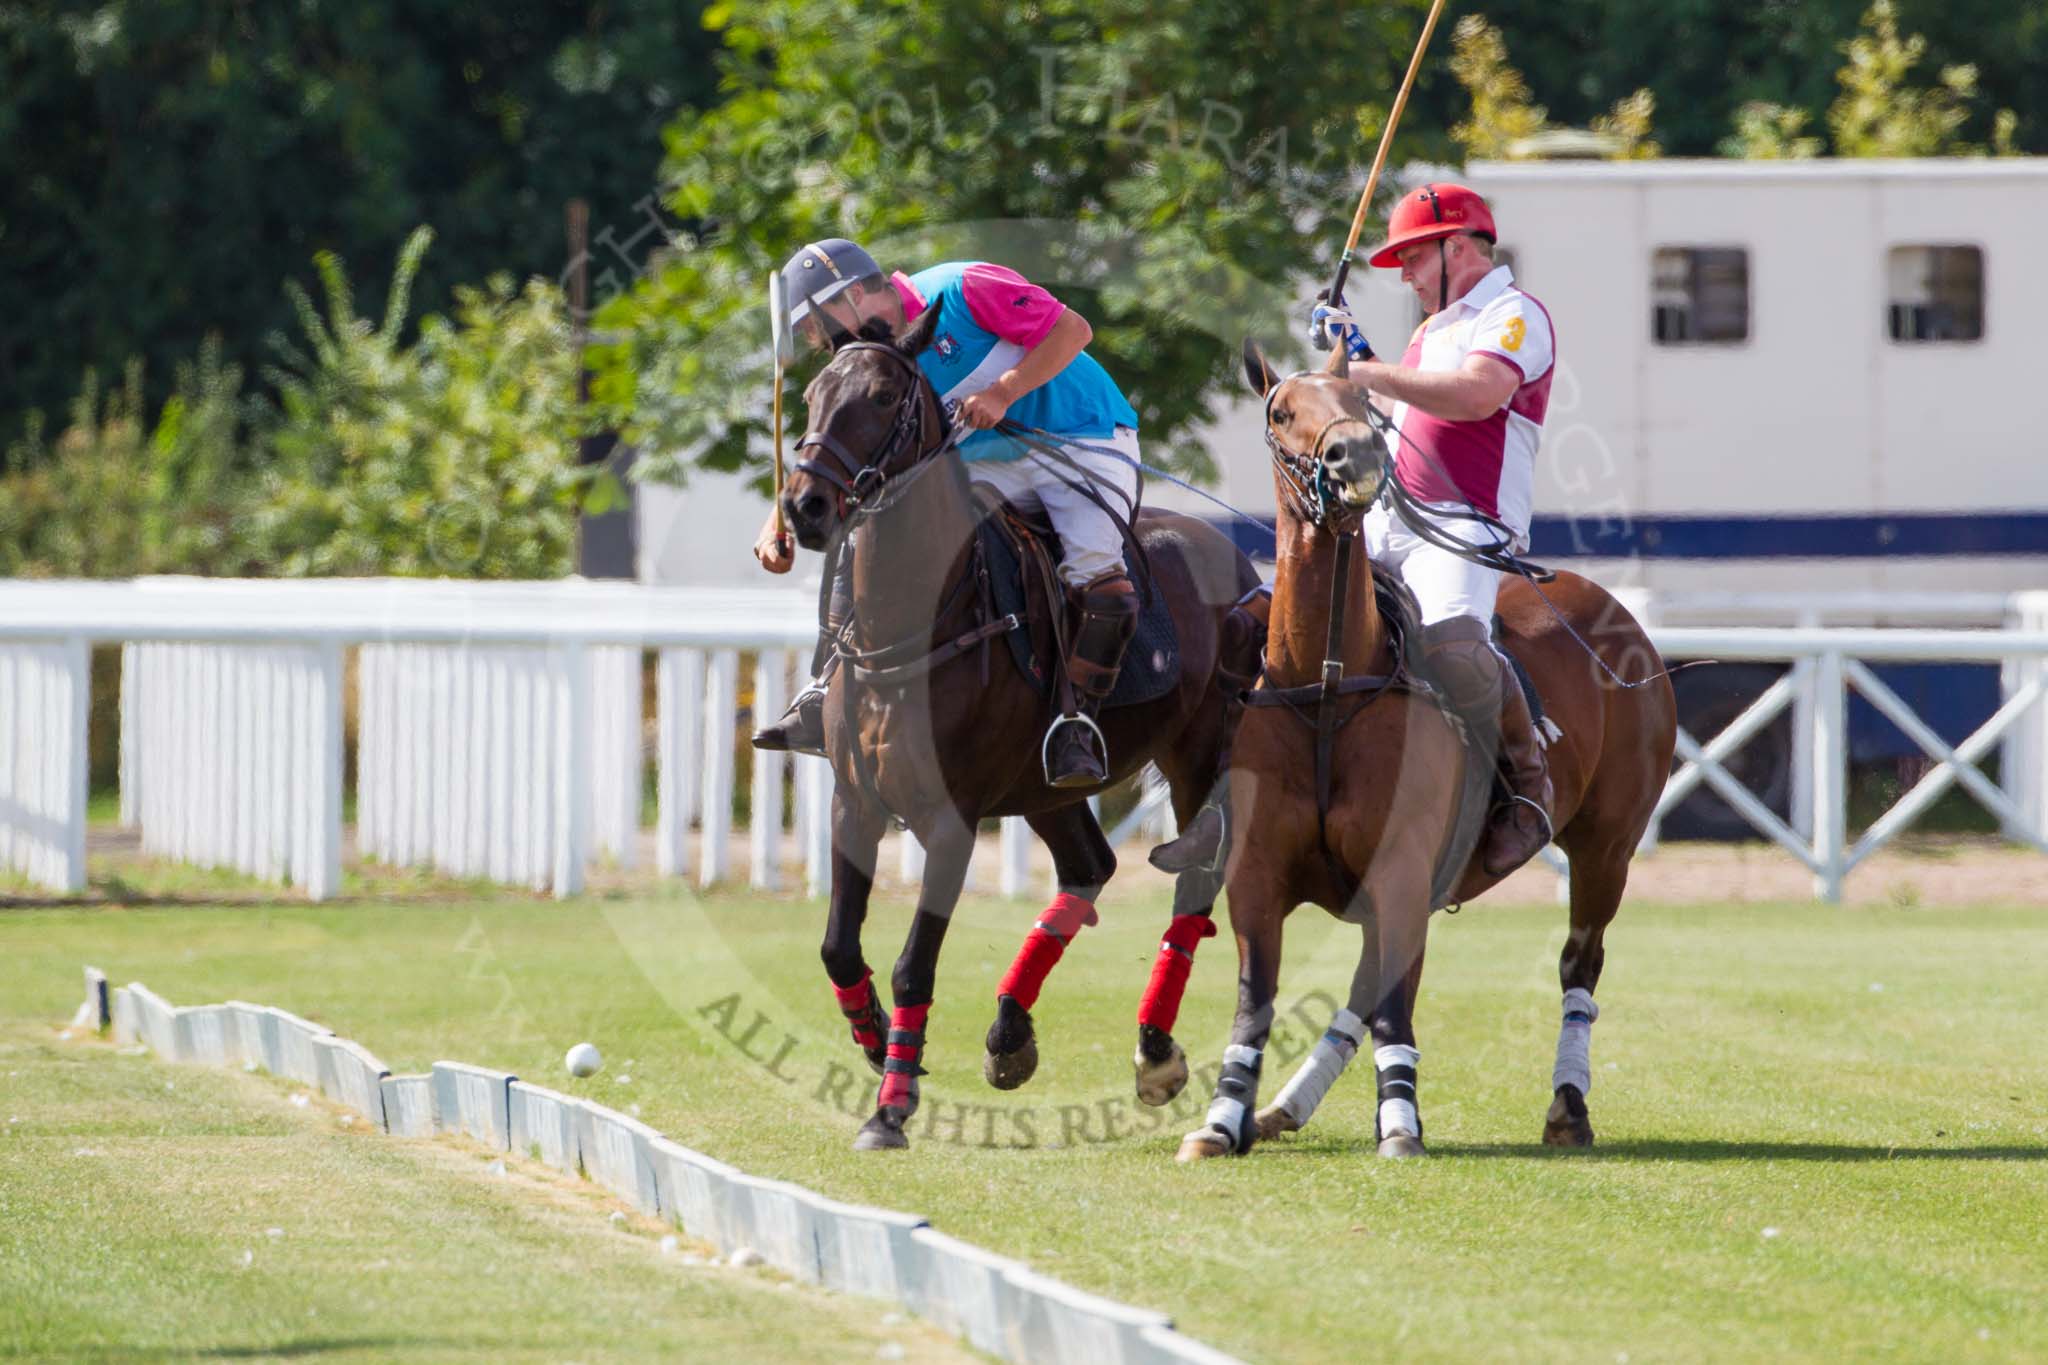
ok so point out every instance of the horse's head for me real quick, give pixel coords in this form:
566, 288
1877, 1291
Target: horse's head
873, 416
1328, 456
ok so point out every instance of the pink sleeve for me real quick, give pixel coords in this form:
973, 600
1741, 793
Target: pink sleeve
1009, 305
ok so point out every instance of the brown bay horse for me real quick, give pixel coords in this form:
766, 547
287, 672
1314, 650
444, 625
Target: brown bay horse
927, 721
1367, 850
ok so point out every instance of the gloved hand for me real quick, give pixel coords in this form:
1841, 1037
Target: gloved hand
1328, 324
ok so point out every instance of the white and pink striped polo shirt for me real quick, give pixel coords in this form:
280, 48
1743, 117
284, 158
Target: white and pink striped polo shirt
1491, 462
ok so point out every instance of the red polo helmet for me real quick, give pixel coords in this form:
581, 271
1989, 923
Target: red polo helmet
1431, 213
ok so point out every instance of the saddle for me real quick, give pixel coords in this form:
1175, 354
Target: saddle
1020, 556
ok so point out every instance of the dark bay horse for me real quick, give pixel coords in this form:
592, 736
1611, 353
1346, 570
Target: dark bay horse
922, 724
1367, 850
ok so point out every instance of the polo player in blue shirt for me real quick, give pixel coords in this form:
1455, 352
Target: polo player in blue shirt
1002, 348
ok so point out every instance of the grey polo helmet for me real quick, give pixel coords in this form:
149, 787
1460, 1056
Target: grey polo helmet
823, 270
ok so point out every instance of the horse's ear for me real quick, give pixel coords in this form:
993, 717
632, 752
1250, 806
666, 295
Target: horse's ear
1257, 372
916, 336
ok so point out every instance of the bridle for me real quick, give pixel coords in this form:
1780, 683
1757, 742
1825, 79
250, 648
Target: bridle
1334, 700
1316, 498
918, 416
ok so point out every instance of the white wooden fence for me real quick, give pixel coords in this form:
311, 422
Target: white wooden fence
499, 729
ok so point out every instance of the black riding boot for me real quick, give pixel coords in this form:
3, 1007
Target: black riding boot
1201, 844
801, 727
1074, 751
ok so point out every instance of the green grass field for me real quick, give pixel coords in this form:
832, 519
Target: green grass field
1824, 1133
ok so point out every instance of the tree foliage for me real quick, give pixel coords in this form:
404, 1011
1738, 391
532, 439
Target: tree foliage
1168, 172
1770, 132
166, 164
1504, 124
1881, 113
1704, 60
116, 494
453, 454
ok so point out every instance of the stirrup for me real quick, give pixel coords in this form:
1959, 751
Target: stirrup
1549, 830
1495, 828
1078, 718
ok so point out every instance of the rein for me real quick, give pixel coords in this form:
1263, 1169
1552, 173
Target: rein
1319, 703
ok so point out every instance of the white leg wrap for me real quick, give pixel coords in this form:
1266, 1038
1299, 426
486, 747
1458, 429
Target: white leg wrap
1575, 1042
1326, 1062
1226, 1114
1398, 1115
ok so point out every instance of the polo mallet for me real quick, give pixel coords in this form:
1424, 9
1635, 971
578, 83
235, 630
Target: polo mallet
785, 351
1379, 161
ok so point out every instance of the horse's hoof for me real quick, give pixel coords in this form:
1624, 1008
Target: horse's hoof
1401, 1145
1201, 1145
1011, 1047
1008, 1070
1161, 1072
883, 1132
877, 1059
1568, 1124
1274, 1120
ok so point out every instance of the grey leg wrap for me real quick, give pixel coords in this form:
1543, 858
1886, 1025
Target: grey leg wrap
1237, 1095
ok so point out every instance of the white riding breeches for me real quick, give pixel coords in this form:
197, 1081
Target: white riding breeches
1092, 543
1444, 585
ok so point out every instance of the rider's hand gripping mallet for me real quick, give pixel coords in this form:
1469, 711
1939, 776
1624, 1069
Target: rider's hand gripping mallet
785, 351
1379, 161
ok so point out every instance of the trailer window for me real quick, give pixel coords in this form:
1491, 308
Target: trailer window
1937, 293
1699, 295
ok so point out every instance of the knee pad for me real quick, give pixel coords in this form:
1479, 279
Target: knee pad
1111, 595
1459, 652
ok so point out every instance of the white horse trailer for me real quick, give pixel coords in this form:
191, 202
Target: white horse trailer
1787, 393
1771, 375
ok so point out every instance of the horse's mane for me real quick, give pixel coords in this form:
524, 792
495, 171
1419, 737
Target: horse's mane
917, 335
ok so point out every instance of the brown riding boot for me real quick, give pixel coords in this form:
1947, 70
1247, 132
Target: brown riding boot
1074, 751
1521, 828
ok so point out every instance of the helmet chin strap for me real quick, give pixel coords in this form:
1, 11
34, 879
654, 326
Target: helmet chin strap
1443, 276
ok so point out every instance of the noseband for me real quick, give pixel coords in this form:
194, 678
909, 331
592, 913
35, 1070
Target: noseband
917, 416
1307, 479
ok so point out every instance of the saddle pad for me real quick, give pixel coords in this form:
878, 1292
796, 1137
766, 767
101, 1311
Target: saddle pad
1528, 683
1151, 664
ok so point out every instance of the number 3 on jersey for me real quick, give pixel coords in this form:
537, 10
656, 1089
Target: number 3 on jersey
1511, 339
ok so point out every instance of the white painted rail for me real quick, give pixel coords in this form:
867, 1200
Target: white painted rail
1000, 1306
500, 729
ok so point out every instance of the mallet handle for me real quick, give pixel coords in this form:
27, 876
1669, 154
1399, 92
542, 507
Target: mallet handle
1379, 160
778, 449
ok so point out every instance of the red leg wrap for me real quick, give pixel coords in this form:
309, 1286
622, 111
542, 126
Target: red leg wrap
1057, 924
906, 1047
854, 1002
1161, 1005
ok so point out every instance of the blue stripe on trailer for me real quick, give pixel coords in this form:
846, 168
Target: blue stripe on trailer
1916, 535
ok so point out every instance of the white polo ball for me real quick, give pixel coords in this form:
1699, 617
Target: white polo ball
583, 1060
